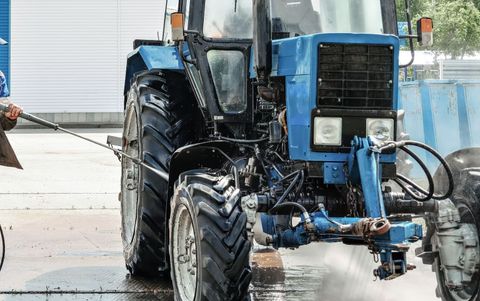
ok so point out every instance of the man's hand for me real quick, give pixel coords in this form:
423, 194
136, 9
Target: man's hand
13, 112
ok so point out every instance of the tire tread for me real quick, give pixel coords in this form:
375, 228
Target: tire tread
165, 120
225, 247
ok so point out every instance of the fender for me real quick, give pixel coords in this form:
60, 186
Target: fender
149, 58
458, 161
198, 156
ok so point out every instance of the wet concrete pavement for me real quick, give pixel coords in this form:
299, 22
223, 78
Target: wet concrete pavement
62, 225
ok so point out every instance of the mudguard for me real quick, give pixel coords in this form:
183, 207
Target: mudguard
458, 161
151, 57
210, 154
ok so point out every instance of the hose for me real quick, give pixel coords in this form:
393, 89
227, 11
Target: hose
431, 187
305, 213
57, 127
430, 194
275, 167
229, 159
451, 184
288, 176
243, 140
262, 163
3, 248
300, 179
287, 192
300, 184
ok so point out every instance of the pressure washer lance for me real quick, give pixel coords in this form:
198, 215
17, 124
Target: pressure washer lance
56, 127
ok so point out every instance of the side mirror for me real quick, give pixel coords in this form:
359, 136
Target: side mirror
176, 20
425, 32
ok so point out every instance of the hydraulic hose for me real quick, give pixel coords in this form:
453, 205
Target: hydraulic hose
288, 176
451, 184
300, 184
287, 191
304, 211
243, 140
298, 181
431, 187
402, 145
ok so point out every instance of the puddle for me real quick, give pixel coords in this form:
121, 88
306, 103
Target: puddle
298, 283
325, 272
313, 273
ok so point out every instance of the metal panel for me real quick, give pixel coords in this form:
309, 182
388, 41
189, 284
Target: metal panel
472, 112
70, 56
5, 34
460, 69
443, 114
358, 76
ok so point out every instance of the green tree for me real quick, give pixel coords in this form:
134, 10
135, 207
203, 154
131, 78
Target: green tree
456, 24
477, 3
417, 8
456, 27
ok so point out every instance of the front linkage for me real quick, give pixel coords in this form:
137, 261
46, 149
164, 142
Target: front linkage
454, 244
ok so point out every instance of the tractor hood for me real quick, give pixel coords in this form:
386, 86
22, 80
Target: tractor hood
349, 65
294, 56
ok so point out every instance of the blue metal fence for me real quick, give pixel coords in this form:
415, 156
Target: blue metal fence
443, 113
5, 34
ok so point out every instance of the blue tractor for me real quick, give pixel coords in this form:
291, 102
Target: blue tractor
276, 122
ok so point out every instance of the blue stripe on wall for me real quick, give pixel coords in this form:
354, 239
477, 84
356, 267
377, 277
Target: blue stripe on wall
5, 34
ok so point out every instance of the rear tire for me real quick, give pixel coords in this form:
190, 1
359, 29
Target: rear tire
209, 250
158, 118
467, 199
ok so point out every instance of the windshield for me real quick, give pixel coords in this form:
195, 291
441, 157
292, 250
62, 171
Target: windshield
233, 19
301, 17
228, 19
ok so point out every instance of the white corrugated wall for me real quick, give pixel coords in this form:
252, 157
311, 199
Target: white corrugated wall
70, 55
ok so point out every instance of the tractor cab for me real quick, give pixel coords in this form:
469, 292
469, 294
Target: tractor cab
219, 36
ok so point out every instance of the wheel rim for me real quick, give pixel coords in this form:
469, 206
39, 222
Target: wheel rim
184, 251
130, 174
470, 291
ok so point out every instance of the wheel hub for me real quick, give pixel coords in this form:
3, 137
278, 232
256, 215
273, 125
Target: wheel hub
130, 175
132, 178
185, 254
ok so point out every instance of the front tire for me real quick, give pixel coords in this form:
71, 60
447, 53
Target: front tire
209, 249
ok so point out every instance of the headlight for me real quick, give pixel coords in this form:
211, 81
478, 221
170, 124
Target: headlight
327, 131
381, 129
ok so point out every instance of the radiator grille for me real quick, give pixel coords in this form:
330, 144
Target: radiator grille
355, 76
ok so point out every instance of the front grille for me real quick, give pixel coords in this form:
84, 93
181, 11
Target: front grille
355, 76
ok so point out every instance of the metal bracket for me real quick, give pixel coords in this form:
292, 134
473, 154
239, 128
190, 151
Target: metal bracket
114, 141
249, 205
333, 173
364, 167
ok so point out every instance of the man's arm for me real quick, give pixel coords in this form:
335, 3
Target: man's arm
7, 120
